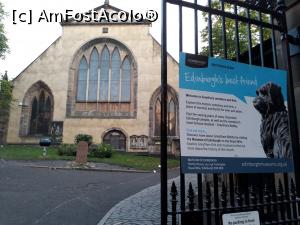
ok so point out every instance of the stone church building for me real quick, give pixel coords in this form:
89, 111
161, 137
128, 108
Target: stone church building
101, 79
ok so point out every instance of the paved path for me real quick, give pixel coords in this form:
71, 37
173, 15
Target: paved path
142, 208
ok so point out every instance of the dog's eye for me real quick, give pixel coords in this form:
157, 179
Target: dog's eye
263, 92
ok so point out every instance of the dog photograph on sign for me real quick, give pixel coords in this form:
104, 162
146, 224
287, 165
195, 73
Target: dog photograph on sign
274, 127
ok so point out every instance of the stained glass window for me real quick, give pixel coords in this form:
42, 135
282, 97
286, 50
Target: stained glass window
112, 83
104, 75
126, 81
171, 118
82, 80
157, 118
93, 76
34, 116
115, 76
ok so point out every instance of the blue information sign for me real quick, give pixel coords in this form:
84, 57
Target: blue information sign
233, 117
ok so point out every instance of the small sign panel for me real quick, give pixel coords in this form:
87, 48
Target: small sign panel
241, 218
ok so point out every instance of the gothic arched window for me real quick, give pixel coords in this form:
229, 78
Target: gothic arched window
41, 109
41, 116
126, 80
104, 74
115, 77
104, 78
82, 79
171, 118
157, 127
36, 111
93, 76
172, 113
103, 81
34, 116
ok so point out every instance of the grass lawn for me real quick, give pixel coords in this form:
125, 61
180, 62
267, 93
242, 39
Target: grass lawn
16, 152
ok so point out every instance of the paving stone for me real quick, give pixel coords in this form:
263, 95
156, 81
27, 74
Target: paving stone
142, 208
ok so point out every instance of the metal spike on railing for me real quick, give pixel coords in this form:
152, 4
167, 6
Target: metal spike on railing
224, 195
293, 190
253, 197
280, 200
280, 191
208, 195
267, 201
174, 194
266, 194
208, 203
293, 198
239, 196
191, 197
274, 201
267, 197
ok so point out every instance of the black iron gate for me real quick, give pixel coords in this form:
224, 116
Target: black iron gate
204, 201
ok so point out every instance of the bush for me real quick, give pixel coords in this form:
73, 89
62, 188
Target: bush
84, 137
67, 149
92, 149
101, 151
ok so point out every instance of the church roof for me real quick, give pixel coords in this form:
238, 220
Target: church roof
108, 15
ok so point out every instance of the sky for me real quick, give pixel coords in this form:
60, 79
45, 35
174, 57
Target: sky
28, 41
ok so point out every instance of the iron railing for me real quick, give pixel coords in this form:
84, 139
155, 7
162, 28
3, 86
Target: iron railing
275, 197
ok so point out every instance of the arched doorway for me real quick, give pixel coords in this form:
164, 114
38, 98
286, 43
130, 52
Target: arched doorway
116, 139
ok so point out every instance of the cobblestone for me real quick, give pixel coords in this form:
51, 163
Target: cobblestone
143, 208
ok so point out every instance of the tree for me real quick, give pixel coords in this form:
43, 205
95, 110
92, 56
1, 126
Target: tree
5, 76
5, 103
217, 33
3, 39
5, 95
5, 84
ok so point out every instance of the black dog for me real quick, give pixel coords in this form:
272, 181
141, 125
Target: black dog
274, 128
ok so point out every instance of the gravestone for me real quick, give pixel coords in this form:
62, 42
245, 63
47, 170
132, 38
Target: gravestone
82, 151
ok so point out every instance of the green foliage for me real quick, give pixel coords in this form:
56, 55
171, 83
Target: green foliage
5, 76
19, 152
67, 150
84, 137
27, 152
5, 96
101, 151
3, 39
217, 32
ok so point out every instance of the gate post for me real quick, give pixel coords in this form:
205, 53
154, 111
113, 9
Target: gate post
163, 135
